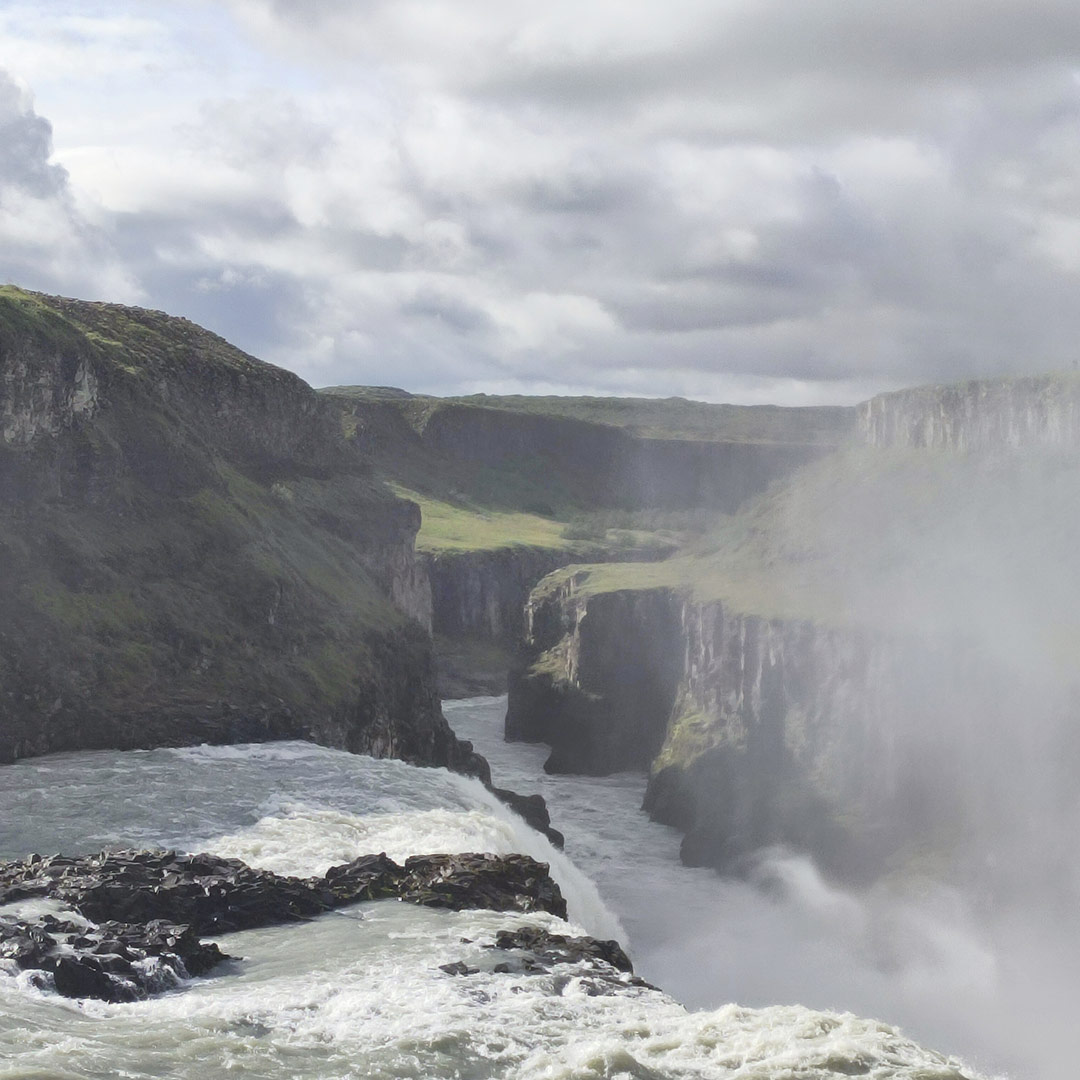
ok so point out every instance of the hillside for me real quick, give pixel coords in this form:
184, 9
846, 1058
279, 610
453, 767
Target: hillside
193, 548
598, 463
511, 488
649, 418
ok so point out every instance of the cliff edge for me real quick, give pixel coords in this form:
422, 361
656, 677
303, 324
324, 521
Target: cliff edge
193, 548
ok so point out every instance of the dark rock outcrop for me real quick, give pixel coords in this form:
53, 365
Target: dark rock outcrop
112, 961
147, 909
533, 809
599, 968
560, 949
604, 687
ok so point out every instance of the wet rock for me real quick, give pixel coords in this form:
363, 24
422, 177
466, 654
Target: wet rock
371, 877
560, 949
467, 880
596, 967
144, 911
495, 882
112, 962
533, 809
458, 968
209, 894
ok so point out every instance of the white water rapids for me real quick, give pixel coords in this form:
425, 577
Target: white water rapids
359, 993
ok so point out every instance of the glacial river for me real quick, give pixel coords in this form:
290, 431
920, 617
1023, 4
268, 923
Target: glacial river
359, 993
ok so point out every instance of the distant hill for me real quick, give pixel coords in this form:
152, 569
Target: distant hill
650, 418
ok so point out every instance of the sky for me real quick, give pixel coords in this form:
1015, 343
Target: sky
733, 200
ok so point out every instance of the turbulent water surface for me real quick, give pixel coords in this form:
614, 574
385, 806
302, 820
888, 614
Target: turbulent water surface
359, 993
999, 988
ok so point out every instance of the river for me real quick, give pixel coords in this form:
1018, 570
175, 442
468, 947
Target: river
359, 993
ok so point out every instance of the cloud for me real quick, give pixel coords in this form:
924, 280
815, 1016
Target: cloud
708, 197
46, 242
26, 145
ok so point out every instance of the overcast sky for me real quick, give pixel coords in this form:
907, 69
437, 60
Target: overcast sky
797, 201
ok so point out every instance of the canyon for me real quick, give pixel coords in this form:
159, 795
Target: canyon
814, 628
871, 663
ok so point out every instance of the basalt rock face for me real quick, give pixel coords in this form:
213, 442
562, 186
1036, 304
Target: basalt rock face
483, 593
603, 691
1003, 414
787, 732
193, 549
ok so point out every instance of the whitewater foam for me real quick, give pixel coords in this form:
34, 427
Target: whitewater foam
360, 992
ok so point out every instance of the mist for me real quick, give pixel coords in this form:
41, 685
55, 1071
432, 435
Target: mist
960, 572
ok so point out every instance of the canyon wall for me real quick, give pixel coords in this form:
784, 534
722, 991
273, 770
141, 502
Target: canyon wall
483, 593
1001, 414
869, 751
602, 466
193, 548
600, 676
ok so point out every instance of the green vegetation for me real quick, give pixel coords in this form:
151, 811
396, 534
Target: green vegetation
567, 473
132, 340
464, 526
26, 315
461, 527
155, 558
690, 734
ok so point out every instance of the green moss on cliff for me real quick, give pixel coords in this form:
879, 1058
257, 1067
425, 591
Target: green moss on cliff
690, 734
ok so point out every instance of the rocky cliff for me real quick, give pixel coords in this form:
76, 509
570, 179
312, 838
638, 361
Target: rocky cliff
193, 548
871, 752
602, 677
996, 414
874, 661
483, 593
505, 482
